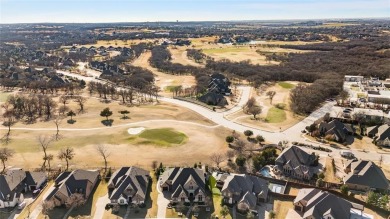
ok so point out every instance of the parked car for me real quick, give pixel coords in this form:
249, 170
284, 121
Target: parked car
22, 205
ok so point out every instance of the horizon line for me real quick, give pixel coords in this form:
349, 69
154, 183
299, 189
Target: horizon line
193, 21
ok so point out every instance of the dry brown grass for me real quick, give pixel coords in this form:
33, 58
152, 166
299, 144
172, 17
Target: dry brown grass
330, 175
281, 208
179, 55
164, 80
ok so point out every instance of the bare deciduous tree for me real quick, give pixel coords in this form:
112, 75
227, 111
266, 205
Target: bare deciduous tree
105, 153
255, 110
271, 95
57, 121
9, 119
230, 154
44, 143
81, 102
5, 155
75, 200
217, 158
47, 206
240, 146
66, 154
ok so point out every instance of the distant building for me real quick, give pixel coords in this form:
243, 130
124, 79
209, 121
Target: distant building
353, 78
380, 134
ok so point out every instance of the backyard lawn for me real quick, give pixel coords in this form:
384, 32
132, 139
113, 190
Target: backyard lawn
275, 115
286, 85
281, 208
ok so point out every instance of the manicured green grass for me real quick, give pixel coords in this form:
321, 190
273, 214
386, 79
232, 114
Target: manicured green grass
212, 184
275, 115
286, 85
163, 136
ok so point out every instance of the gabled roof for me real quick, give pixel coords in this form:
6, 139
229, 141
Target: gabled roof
319, 203
134, 177
249, 199
238, 185
179, 176
10, 181
368, 174
68, 183
32, 178
295, 156
382, 132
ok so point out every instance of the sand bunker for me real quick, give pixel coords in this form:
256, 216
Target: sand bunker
135, 131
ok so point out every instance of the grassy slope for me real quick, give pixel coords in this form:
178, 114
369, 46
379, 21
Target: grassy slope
275, 115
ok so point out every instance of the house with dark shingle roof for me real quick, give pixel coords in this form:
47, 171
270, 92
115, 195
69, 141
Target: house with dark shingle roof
338, 130
15, 182
68, 183
318, 204
244, 190
184, 184
128, 185
365, 175
380, 134
296, 163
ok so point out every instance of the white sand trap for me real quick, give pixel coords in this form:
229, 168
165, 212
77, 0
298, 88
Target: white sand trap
135, 131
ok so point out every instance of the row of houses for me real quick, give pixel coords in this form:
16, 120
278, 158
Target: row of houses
106, 69
103, 51
361, 175
129, 185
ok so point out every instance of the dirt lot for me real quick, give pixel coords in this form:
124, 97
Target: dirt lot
282, 96
164, 80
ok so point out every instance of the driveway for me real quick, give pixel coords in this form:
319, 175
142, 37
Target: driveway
162, 203
100, 206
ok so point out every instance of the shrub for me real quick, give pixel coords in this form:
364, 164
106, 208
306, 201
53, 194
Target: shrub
281, 106
229, 139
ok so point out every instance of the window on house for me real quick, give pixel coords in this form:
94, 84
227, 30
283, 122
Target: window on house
200, 198
191, 187
183, 199
121, 201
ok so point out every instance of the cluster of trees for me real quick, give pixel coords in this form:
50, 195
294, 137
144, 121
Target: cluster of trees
246, 153
160, 59
305, 98
378, 199
197, 55
127, 95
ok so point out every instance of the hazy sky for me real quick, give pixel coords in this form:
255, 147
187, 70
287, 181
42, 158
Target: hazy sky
21, 11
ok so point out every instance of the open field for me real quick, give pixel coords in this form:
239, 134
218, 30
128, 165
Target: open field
179, 55
164, 80
271, 118
124, 151
238, 54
